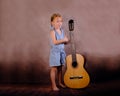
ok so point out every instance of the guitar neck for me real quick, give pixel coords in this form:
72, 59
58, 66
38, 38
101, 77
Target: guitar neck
73, 46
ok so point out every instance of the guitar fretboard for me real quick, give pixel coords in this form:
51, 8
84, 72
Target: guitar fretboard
73, 47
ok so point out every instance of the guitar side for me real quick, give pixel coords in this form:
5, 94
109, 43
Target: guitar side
76, 77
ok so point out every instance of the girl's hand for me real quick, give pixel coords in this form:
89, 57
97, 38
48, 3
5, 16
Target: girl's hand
66, 39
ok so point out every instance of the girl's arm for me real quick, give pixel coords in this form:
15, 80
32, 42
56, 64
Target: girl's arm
55, 41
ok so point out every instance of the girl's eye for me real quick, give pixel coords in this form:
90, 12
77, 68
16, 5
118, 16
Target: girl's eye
59, 21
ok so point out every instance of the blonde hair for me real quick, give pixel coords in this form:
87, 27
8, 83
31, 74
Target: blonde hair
54, 16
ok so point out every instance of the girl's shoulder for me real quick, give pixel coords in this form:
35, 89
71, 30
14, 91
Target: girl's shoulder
52, 32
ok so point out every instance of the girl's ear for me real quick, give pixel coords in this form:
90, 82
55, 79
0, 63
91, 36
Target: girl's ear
52, 23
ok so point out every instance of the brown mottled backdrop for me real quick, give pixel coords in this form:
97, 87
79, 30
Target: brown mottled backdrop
24, 37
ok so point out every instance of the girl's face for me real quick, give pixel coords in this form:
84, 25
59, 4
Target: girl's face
57, 22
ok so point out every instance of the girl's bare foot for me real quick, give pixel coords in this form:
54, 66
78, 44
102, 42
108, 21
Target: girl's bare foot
62, 85
55, 89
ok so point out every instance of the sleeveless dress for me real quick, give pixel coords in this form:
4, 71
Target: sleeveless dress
57, 52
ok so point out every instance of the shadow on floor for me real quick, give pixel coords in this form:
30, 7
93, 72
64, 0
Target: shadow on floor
111, 88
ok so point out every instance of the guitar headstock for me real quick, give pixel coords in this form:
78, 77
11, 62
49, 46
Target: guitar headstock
71, 25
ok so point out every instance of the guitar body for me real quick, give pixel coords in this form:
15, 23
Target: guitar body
75, 75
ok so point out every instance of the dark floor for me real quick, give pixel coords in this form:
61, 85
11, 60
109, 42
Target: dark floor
111, 88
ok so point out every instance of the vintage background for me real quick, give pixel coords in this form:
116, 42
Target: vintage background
24, 38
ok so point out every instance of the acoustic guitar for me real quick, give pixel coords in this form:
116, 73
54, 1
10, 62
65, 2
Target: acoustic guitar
75, 75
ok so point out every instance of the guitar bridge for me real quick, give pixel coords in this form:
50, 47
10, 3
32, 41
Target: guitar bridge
76, 77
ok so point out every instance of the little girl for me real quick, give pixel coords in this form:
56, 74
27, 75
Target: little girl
57, 52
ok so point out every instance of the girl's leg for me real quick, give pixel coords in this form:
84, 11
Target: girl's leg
53, 78
60, 79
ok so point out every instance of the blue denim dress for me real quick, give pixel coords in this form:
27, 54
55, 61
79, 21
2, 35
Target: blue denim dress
57, 52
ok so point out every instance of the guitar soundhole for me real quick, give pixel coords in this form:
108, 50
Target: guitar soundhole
74, 64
